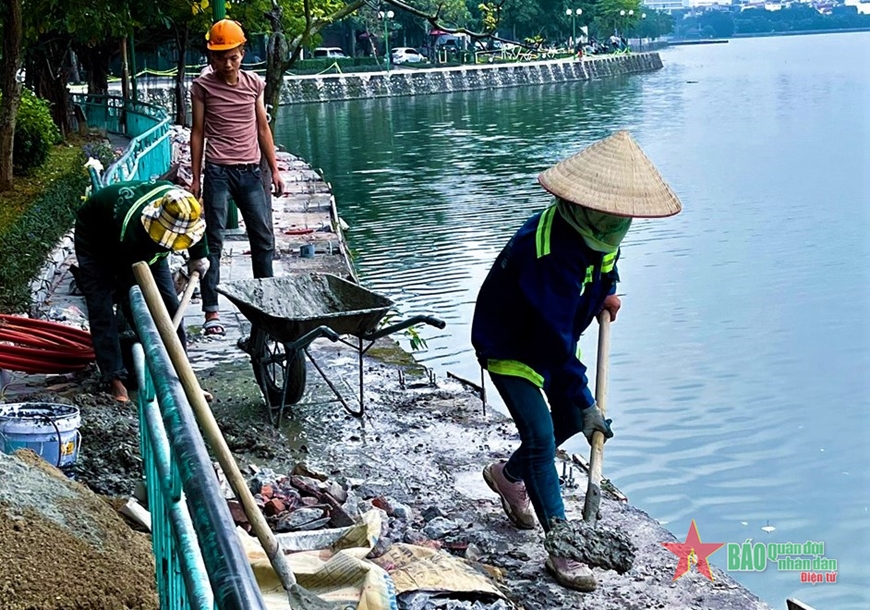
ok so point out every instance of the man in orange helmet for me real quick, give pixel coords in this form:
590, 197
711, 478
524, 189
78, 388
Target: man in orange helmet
231, 131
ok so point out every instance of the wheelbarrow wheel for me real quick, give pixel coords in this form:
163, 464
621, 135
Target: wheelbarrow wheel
270, 370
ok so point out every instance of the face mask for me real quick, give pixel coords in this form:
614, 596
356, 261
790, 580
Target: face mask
602, 232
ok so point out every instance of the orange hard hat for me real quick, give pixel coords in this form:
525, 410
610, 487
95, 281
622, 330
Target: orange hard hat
225, 34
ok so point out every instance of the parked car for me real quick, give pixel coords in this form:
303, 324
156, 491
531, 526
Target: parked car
406, 55
329, 52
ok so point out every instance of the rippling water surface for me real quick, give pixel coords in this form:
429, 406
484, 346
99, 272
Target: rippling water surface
739, 365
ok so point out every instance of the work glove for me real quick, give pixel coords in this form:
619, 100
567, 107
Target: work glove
593, 420
198, 264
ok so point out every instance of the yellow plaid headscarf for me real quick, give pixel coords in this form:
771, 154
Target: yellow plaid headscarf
175, 220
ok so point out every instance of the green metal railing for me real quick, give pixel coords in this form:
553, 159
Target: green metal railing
149, 153
199, 561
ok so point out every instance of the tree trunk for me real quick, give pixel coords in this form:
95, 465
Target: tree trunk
277, 62
95, 60
272, 93
46, 67
182, 35
125, 70
11, 89
74, 67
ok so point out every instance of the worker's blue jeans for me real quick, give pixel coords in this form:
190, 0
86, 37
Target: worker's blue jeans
242, 183
541, 431
103, 285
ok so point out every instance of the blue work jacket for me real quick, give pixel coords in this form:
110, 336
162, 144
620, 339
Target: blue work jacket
542, 292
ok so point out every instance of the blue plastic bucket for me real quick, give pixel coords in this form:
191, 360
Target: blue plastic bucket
50, 430
306, 251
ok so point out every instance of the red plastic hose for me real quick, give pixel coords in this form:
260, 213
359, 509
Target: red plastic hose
39, 346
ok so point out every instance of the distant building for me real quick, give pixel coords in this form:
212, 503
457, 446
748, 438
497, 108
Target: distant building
667, 5
863, 7
705, 3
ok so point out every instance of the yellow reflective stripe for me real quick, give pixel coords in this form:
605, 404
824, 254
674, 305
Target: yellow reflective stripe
578, 352
157, 257
150, 195
608, 262
590, 272
545, 228
513, 368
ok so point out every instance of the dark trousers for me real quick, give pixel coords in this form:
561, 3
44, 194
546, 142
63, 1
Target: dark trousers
103, 287
542, 430
244, 184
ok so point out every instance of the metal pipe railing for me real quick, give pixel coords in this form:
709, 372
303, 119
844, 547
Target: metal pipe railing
149, 153
195, 516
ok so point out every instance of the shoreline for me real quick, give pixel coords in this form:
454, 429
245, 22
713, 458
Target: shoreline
422, 441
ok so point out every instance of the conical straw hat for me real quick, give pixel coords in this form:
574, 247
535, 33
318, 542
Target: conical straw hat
614, 176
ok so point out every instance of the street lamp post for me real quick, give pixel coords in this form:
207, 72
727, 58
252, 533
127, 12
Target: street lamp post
622, 15
386, 16
642, 17
574, 14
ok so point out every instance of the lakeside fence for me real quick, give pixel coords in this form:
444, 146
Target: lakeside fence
199, 561
149, 153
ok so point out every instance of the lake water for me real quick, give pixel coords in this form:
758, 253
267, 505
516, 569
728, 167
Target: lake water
738, 385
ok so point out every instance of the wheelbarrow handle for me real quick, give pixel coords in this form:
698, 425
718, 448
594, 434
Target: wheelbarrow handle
412, 321
306, 339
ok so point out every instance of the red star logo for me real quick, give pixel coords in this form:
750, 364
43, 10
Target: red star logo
693, 551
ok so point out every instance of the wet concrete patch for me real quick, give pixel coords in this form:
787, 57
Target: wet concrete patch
603, 546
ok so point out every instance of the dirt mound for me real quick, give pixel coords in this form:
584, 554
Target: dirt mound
63, 547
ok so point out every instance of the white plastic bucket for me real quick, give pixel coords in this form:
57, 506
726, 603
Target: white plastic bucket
50, 430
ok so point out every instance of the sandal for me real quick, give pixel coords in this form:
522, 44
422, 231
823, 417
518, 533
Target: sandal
213, 328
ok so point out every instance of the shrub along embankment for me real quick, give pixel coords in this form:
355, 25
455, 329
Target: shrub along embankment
33, 217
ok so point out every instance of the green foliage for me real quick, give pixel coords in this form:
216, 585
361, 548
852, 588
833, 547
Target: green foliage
35, 133
26, 242
100, 150
797, 18
608, 17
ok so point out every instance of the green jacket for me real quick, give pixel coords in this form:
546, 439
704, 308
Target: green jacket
109, 226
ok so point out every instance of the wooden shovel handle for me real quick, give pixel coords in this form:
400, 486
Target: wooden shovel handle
185, 299
596, 456
210, 429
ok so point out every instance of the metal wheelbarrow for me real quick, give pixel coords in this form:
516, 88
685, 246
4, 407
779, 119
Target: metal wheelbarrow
288, 313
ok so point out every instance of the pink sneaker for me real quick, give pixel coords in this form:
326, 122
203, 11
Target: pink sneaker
571, 574
514, 498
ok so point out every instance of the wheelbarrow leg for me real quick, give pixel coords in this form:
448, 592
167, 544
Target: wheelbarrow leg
332, 386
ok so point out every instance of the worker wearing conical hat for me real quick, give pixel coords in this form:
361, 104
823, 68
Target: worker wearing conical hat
546, 287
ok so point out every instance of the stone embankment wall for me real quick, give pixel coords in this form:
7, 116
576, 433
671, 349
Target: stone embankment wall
324, 88
334, 87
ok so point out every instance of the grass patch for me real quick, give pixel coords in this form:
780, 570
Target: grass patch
27, 189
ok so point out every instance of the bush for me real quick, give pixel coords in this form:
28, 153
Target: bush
28, 240
35, 133
345, 64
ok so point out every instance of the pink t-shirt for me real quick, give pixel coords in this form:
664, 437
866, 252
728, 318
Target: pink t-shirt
230, 117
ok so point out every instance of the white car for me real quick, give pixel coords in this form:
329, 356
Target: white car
329, 52
406, 55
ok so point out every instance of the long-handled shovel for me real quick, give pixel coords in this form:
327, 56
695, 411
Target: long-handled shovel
185, 299
300, 599
588, 541
593, 489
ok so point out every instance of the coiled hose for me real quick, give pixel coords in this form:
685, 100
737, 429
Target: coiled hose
39, 346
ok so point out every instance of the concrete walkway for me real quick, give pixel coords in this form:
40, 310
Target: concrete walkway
304, 215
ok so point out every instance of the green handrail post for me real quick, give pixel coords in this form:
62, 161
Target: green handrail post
200, 563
